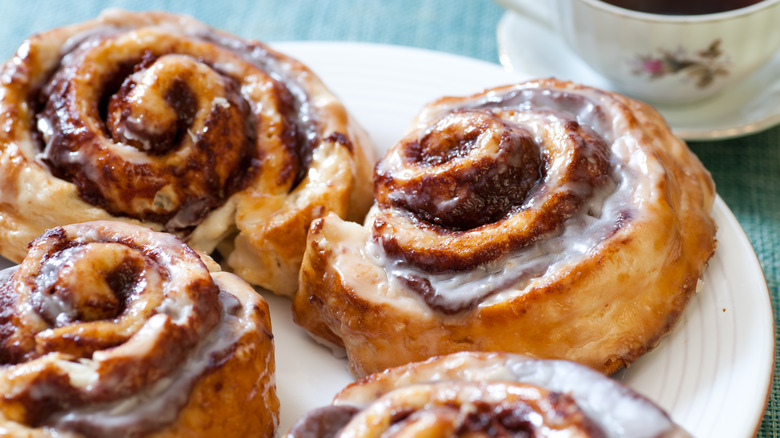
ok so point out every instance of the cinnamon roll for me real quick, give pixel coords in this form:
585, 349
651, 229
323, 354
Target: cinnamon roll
488, 394
544, 218
111, 329
157, 119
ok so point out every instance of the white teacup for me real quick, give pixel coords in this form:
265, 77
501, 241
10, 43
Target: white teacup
662, 58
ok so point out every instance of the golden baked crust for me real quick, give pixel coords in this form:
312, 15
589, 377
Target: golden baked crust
155, 118
111, 329
590, 255
495, 394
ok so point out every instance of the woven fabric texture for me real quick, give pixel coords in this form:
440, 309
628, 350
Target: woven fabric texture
746, 170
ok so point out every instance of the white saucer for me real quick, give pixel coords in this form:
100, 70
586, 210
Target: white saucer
530, 48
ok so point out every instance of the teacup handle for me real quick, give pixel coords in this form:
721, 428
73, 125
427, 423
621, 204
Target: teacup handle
536, 10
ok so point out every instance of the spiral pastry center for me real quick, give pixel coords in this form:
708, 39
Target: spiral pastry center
166, 127
467, 170
478, 394
93, 315
473, 409
154, 108
90, 283
493, 185
510, 178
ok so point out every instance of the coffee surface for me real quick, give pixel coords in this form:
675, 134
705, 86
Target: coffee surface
681, 7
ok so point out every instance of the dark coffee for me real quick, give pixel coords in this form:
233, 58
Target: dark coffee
681, 7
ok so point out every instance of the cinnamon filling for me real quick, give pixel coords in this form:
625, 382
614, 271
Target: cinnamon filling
455, 408
325, 422
472, 169
479, 201
168, 133
92, 319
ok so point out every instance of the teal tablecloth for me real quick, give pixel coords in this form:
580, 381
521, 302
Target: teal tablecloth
746, 170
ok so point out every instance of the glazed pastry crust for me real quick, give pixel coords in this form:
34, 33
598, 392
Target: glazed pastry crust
259, 223
238, 399
223, 379
603, 308
472, 392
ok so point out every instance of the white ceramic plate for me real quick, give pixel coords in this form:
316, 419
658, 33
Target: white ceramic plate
532, 49
712, 373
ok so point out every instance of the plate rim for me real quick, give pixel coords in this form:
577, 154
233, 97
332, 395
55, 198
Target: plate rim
766, 295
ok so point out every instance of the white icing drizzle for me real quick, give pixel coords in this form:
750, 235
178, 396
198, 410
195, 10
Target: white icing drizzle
280, 70
580, 235
6, 274
249, 63
159, 404
619, 411
599, 217
52, 307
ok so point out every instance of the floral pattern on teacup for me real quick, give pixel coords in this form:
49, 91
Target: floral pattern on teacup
704, 66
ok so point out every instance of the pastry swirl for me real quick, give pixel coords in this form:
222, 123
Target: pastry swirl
488, 394
464, 212
158, 119
111, 329
544, 218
